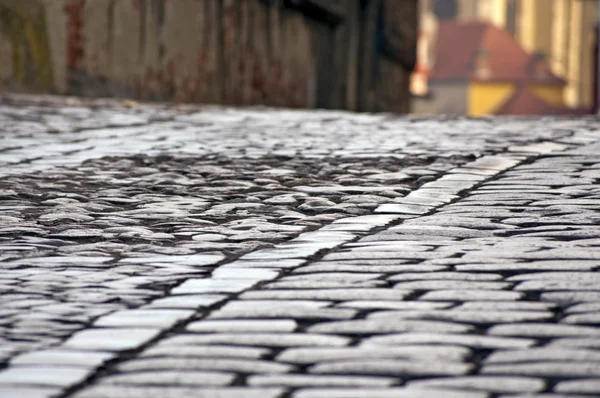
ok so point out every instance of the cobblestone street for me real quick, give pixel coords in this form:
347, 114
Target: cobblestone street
154, 251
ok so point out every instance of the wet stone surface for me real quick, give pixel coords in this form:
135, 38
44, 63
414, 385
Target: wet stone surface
161, 250
114, 233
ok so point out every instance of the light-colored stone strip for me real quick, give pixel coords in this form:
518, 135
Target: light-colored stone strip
447, 188
53, 371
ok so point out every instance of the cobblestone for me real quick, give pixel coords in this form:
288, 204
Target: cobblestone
471, 295
544, 330
312, 355
87, 359
240, 365
272, 339
110, 339
392, 367
385, 325
462, 316
474, 341
581, 386
152, 318
543, 354
29, 375
183, 251
550, 369
227, 326
329, 294
384, 393
172, 377
186, 346
498, 384
320, 381
109, 391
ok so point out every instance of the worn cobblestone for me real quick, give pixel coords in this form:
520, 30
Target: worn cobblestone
392, 367
192, 251
312, 355
239, 365
581, 386
497, 384
384, 393
109, 391
294, 380
177, 377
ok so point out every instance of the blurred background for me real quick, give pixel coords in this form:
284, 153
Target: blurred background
502, 57
463, 57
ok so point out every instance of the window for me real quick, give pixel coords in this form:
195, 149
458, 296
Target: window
445, 9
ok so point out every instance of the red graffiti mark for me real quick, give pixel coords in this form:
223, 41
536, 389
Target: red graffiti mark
202, 58
135, 4
75, 52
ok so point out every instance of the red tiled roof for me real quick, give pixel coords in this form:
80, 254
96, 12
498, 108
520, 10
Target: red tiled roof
456, 48
525, 102
459, 43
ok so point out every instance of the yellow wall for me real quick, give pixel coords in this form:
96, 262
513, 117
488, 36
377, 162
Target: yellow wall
550, 93
493, 11
484, 98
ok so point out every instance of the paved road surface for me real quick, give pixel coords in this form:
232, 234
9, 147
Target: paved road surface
183, 251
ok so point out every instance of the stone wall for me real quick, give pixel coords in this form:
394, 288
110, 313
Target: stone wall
349, 54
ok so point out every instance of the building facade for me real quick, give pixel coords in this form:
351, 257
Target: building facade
562, 32
487, 70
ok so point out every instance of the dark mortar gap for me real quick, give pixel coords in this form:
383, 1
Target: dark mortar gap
478, 355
